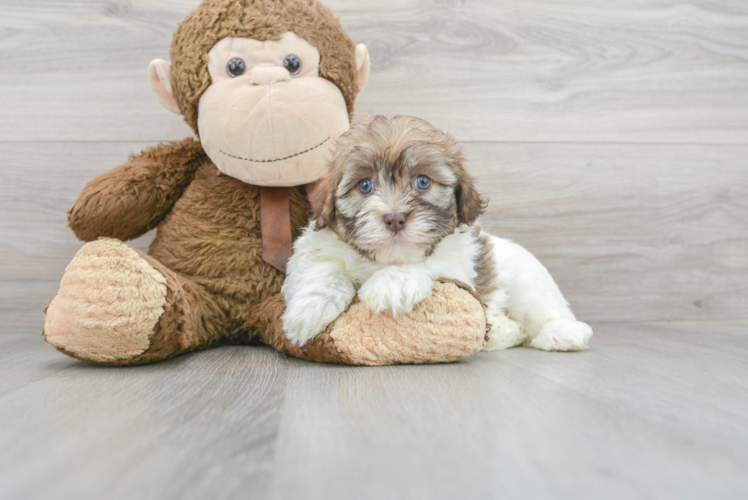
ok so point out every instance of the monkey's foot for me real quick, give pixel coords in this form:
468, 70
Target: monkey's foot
109, 303
448, 326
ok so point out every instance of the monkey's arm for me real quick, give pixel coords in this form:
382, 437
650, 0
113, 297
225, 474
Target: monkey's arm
128, 201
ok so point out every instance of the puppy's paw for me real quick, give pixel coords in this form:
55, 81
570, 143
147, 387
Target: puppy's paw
395, 290
504, 332
563, 335
308, 315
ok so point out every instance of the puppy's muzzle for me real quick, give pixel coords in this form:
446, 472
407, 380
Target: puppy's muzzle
395, 222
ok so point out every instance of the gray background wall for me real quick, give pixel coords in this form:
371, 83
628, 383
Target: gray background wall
611, 138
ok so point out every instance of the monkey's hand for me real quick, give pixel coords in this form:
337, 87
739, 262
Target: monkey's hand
128, 201
396, 289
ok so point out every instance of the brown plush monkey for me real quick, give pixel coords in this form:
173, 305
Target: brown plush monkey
267, 85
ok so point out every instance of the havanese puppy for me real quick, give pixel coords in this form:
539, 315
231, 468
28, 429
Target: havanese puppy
397, 211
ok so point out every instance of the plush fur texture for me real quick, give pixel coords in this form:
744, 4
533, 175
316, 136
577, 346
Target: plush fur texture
108, 304
214, 20
266, 126
208, 244
204, 282
449, 326
353, 250
133, 198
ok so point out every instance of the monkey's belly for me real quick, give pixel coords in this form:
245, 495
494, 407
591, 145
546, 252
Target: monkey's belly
213, 236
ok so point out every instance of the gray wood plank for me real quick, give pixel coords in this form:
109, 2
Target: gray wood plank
673, 394
630, 232
38, 184
26, 359
540, 70
199, 426
620, 421
736, 327
650, 411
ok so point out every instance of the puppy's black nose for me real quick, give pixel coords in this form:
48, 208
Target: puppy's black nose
395, 222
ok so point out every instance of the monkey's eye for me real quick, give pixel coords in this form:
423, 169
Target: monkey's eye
292, 63
236, 67
423, 182
365, 186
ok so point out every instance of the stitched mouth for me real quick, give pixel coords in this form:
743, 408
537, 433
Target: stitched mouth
276, 159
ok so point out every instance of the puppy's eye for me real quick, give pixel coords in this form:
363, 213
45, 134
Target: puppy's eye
365, 186
423, 182
292, 63
236, 67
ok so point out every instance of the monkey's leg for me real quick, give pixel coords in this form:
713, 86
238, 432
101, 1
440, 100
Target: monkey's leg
119, 306
448, 326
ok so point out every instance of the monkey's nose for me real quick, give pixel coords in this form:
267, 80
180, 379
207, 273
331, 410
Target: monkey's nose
267, 75
395, 222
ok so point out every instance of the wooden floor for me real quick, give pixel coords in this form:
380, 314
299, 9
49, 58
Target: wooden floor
612, 139
651, 411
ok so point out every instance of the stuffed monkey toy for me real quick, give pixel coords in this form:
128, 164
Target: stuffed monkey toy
267, 86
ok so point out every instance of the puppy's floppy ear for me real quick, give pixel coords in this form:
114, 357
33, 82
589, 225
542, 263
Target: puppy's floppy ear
323, 202
470, 203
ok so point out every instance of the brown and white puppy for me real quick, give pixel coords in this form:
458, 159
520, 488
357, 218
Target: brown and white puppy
397, 186
395, 213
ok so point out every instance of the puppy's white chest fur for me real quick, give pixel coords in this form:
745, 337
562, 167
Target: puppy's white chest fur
325, 274
453, 257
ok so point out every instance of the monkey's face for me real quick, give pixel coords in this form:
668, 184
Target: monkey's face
268, 118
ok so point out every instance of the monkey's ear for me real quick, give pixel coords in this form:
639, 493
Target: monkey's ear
159, 76
322, 198
470, 203
362, 66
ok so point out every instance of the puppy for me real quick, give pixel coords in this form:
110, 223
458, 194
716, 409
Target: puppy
396, 212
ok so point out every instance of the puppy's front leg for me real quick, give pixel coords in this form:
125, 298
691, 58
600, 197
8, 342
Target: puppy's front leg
396, 289
316, 293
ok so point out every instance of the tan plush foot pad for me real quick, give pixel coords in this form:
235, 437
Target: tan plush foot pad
448, 326
109, 302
